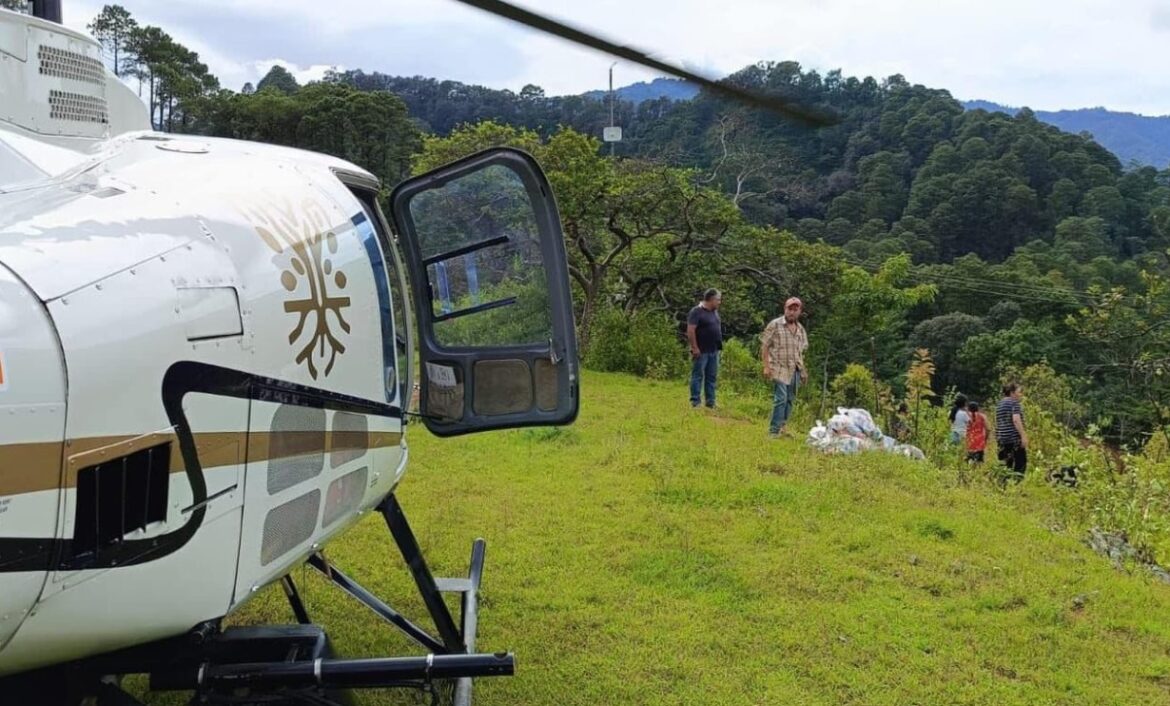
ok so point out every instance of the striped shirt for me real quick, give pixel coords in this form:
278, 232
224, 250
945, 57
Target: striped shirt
1005, 431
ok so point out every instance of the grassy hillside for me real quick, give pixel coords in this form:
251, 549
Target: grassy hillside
654, 554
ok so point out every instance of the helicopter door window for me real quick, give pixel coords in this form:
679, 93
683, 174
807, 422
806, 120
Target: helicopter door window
487, 263
484, 261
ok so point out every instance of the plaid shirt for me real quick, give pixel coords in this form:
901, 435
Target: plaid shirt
785, 349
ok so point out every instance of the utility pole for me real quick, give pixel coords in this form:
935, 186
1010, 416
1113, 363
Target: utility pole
611, 144
612, 133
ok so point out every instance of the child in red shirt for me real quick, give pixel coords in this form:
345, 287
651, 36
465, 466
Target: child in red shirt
976, 434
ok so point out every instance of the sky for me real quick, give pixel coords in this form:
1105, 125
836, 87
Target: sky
1044, 54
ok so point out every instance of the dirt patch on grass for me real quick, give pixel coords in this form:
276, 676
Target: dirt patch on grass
773, 469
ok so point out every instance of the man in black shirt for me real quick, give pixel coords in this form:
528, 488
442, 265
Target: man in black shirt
705, 334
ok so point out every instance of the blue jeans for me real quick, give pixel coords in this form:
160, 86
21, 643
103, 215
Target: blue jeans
703, 371
783, 399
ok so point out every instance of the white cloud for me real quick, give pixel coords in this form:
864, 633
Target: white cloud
1051, 54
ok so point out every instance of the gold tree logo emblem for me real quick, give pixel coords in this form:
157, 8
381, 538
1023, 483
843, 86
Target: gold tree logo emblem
303, 236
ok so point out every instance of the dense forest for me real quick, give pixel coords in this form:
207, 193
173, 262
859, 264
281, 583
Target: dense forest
1140, 139
998, 243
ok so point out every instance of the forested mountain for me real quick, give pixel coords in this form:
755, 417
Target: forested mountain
906, 169
1133, 138
672, 88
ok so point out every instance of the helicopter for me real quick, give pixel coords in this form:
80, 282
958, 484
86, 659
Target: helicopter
208, 354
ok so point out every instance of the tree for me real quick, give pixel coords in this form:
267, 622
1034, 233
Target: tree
633, 229
869, 314
278, 79
147, 49
16, 5
370, 129
1003, 314
531, 92
883, 189
944, 336
743, 164
113, 27
1128, 355
986, 356
1083, 238
175, 77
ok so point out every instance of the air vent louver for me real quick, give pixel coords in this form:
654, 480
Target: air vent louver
64, 105
63, 63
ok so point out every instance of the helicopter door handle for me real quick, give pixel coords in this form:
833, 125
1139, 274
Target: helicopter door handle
552, 353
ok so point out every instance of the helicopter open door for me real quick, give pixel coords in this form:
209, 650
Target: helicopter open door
486, 257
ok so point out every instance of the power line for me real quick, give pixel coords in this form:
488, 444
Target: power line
1045, 295
1001, 293
983, 290
1025, 288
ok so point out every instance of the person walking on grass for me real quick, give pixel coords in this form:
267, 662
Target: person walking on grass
1009, 432
959, 419
705, 334
782, 350
976, 434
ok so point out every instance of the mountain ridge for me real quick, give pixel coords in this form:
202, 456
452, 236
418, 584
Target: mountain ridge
1133, 137
673, 88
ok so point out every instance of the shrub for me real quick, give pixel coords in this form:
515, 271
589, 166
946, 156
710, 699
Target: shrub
1157, 448
857, 387
740, 369
1134, 504
646, 344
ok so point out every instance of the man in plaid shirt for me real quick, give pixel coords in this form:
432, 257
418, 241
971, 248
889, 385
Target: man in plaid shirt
783, 346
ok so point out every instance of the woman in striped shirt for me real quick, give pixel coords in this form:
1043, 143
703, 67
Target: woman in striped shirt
1009, 431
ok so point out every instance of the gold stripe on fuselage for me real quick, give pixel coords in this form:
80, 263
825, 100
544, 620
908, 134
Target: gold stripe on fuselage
28, 468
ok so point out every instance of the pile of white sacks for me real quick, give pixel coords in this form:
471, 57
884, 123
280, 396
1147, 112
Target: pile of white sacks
852, 431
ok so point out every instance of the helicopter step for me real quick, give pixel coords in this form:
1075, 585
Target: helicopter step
292, 664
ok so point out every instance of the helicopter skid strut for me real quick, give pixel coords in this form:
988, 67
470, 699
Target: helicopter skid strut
295, 661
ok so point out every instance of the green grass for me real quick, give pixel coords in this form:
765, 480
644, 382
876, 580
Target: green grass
655, 554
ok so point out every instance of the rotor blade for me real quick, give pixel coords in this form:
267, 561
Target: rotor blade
530, 19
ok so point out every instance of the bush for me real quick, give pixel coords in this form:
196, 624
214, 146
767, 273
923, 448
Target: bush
1133, 503
646, 344
1157, 449
740, 369
857, 387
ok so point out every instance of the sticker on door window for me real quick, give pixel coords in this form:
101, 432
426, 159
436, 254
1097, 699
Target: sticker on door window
441, 375
3, 373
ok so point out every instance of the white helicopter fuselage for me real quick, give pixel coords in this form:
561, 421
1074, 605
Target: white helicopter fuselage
199, 382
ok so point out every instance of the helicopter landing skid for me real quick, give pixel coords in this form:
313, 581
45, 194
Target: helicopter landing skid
278, 665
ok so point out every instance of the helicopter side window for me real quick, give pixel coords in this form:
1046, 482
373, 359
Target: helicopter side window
387, 299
